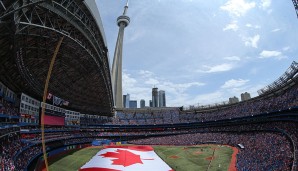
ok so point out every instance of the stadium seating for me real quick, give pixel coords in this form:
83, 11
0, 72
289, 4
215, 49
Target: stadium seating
267, 127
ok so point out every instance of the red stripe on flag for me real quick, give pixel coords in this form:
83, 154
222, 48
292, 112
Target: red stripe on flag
98, 169
137, 148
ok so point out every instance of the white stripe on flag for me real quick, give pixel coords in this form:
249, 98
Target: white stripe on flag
126, 158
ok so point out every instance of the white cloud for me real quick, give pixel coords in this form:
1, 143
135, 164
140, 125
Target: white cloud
286, 48
252, 41
202, 99
135, 35
271, 54
234, 88
176, 93
232, 58
232, 26
248, 25
265, 4
209, 98
152, 81
177, 89
217, 68
234, 83
128, 81
267, 53
145, 73
252, 26
238, 7
182, 86
275, 30
134, 87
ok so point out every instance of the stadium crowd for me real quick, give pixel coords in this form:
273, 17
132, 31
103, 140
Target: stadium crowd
267, 146
8, 108
10, 145
262, 147
77, 141
25, 157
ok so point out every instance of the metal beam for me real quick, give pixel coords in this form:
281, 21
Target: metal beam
295, 3
15, 9
3, 6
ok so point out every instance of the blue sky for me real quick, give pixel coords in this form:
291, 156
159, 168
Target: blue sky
202, 52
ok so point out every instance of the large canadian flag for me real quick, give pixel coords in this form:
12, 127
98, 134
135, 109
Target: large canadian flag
126, 158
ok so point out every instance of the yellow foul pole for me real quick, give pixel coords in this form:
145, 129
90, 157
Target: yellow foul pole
44, 100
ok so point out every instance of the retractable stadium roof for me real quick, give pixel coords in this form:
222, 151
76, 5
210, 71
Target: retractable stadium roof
29, 33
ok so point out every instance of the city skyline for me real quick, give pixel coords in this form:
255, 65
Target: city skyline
158, 96
235, 46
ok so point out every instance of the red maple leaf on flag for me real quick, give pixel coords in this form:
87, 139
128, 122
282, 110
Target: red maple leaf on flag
123, 157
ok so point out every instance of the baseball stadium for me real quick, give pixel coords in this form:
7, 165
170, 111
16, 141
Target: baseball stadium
62, 106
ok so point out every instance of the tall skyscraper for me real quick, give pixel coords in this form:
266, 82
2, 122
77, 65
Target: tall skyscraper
154, 97
162, 98
245, 96
142, 103
133, 104
126, 99
233, 100
150, 103
122, 22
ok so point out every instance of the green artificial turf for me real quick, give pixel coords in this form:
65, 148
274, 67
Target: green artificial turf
73, 161
179, 158
195, 158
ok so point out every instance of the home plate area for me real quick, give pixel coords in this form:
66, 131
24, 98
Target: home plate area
126, 158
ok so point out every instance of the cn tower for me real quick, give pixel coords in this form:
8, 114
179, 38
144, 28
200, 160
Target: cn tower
122, 22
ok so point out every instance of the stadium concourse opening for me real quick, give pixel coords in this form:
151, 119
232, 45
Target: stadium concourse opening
56, 106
